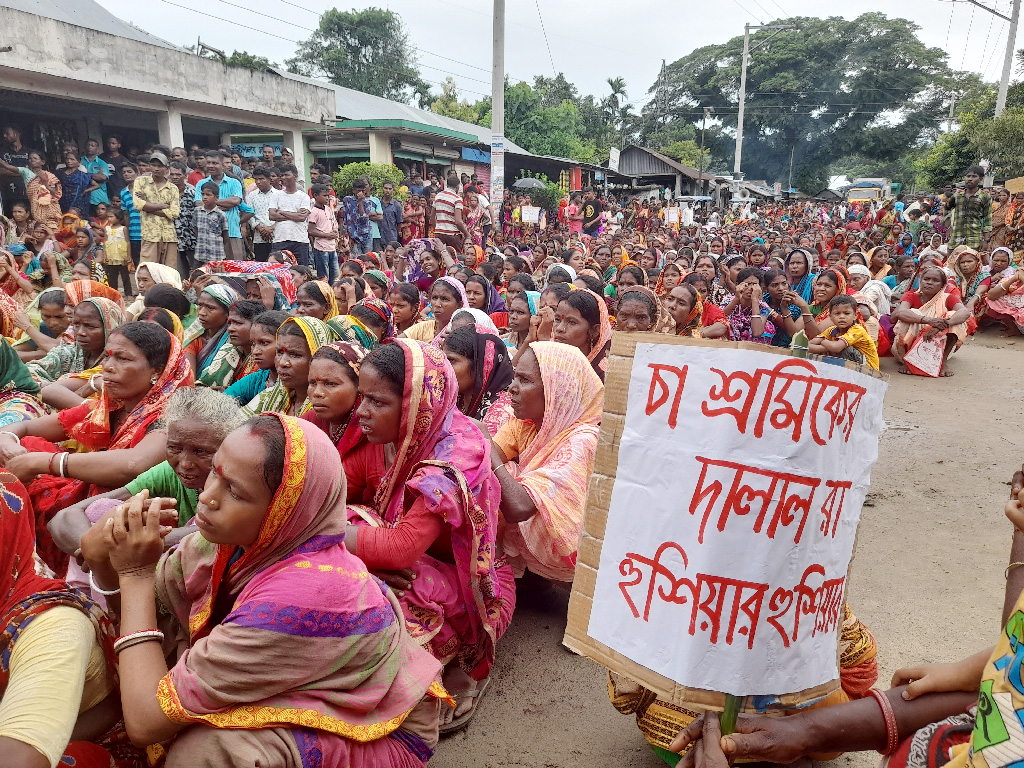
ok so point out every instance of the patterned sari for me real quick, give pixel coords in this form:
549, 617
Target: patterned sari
69, 359
554, 463
89, 424
25, 595
278, 271
218, 360
458, 609
345, 685
278, 399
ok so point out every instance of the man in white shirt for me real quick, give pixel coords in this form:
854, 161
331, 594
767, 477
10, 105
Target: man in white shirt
260, 200
289, 209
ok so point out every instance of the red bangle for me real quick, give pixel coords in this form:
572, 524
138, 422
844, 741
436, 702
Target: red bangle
892, 733
49, 464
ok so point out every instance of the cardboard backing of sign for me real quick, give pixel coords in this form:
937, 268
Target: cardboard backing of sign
617, 378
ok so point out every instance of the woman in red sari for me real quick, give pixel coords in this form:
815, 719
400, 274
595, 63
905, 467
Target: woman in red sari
431, 531
142, 366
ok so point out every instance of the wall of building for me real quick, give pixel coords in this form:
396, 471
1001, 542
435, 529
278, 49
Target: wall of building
53, 58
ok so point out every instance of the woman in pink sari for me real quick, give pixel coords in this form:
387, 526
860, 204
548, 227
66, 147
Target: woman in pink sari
289, 653
434, 520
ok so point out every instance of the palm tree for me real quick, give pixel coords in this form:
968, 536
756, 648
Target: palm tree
614, 104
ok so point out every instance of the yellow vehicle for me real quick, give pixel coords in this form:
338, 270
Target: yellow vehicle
868, 190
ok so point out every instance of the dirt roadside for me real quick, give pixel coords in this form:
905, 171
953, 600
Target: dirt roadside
927, 578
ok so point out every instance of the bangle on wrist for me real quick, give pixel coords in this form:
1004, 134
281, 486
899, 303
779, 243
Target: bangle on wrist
98, 588
135, 638
892, 733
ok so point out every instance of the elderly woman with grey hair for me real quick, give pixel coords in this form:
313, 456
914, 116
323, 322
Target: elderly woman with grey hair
197, 421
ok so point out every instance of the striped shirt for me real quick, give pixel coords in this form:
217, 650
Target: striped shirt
134, 220
446, 203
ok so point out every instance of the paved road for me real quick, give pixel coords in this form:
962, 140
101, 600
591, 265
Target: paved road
927, 578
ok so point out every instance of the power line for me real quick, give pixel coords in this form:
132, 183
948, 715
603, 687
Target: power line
991, 19
232, 21
759, 21
967, 42
949, 26
540, 18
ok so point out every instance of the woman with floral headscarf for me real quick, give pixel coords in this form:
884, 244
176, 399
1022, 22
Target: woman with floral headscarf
434, 512
298, 339
345, 686
447, 295
204, 338
78, 363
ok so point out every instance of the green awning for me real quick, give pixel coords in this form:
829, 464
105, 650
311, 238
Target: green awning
356, 154
411, 156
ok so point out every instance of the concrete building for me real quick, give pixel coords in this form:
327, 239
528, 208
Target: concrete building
70, 70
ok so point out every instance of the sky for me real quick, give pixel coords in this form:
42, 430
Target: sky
589, 41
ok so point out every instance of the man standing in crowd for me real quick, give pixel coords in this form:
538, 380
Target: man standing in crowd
268, 154
199, 163
93, 164
128, 175
971, 212
372, 203
14, 156
356, 212
391, 215
183, 224
591, 213
229, 198
115, 161
446, 215
156, 200
289, 209
260, 200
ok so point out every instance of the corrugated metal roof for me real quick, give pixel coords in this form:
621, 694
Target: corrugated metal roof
356, 105
88, 14
642, 161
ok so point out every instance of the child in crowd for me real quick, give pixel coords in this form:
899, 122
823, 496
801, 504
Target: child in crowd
323, 228
118, 256
847, 338
211, 227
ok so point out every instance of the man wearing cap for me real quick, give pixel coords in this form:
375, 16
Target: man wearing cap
157, 201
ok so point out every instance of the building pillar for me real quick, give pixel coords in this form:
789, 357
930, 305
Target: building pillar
380, 148
294, 140
168, 125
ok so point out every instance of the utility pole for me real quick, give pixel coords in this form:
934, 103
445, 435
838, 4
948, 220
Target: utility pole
743, 97
1011, 44
498, 110
743, 85
703, 125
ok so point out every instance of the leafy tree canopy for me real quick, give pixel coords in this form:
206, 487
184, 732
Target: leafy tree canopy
367, 50
826, 89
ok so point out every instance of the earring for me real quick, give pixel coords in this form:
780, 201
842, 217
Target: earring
153, 380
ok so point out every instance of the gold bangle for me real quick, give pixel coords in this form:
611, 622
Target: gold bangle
1006, 573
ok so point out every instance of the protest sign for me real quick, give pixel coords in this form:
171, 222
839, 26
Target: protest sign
672, 215
530, 214
722, 518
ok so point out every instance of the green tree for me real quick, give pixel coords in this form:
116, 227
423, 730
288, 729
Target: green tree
543, 130
825, 89
449, 104
686, 152
377, 173
1001, 140
367, 50
242, 59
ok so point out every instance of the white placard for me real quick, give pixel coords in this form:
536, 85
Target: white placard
672, 215
530, 214
733, 516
